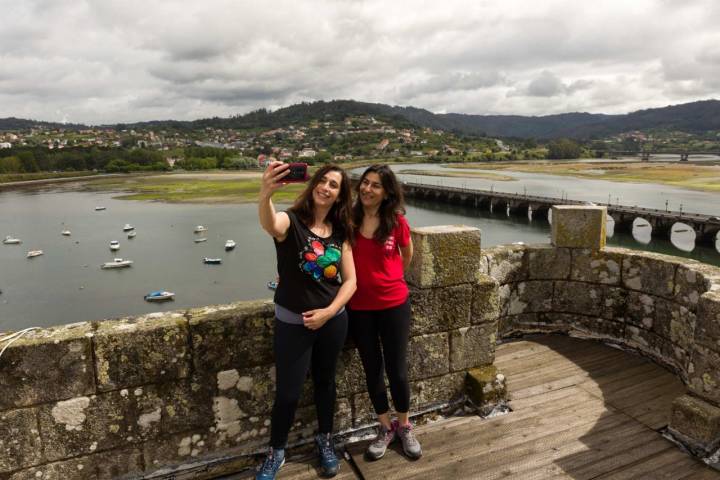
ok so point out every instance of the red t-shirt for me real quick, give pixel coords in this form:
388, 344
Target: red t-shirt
379, 270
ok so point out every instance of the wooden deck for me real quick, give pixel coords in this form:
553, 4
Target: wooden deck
581, 410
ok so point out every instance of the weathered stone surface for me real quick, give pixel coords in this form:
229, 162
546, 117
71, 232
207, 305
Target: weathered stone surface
640, 309
596, 266
697, 421
350, 373
174, 407
253, 388
577, 297
531, 296
428, 356
472, 347
177, 449
58, 357
504, 295
546, 262
445, 255
142, 350
362, 410
675, 323
576, 226
708, 321
232, 336
583, 325
531, 323
101, 466
436, 391
650, 273
614, 303
692, 279
507, 264
485, 301
20, 444
704, 374
485, 385
440, 309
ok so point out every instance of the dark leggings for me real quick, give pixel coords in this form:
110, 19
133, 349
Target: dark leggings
298, 349
390, 327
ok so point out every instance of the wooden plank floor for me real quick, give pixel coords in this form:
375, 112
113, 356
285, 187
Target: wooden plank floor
581, 410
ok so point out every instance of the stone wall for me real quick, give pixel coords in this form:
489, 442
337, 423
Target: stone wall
133, 395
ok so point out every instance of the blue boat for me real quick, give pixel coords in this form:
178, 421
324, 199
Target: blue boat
159, 296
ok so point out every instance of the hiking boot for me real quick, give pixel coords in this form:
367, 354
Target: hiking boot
269, 468
410, 443
376, 449
329, 463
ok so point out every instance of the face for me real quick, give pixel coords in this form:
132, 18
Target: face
327, 190
372, 192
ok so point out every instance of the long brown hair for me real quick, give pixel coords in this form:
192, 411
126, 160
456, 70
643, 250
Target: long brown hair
390, 207
339, 215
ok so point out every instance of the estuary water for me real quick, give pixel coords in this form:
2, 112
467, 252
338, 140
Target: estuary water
66, 284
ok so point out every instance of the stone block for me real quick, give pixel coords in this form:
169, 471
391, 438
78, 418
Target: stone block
100, 466
531, 323
596, 327
173, 407
232, 336
444, 255
546, 262
614, 303
692, 280
428, 356
697, 423
675, 323
137, 351
577, 297
472, 347
640, 309
440, 309
485, 301
59, 357
704, 373
507, 264
436, 391
253, 388
350, 373
20, 444
505, 293
707, 331
650, 273
596, 266
578, 226
363, 413
485, 385
531, 296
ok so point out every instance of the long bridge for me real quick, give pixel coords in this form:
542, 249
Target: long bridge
706, 227
646, 154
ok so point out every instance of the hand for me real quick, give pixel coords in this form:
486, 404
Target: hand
314, 319
272, 177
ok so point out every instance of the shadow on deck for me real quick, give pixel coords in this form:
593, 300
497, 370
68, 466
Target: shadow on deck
581, 410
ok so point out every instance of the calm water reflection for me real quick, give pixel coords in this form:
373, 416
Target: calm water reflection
66, 284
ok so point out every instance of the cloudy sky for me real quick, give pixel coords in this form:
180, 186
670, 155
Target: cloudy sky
107, 61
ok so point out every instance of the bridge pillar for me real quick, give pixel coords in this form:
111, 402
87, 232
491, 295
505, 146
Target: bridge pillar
645, 156
684, 157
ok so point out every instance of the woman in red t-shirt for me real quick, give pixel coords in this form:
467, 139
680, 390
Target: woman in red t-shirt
380, 311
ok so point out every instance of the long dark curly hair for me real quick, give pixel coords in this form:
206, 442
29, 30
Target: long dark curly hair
340, 214
391, 206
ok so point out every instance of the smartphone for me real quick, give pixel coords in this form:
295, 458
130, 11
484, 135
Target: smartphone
298, 173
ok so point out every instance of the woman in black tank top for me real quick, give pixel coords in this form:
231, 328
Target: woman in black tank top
317, 278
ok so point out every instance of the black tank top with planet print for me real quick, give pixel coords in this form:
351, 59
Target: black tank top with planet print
308, 266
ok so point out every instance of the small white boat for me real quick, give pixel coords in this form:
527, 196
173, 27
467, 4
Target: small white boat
117, 263
128, 227
66, 233
200, 228
132, 234
12, 241
229, 245
159, 296
272, 285
34, 253
114, 245
97, 209
201, 239
213, 261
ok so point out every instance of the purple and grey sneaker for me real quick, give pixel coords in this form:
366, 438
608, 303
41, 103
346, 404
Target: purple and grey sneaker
410, 443
376, 449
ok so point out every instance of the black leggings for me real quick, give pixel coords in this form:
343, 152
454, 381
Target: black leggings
298, 349
391, 327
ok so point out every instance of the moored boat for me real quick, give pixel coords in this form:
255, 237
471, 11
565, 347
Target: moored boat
229, 245
117, 263
200, 228
97, 209
213, 261
201, 239
132, 234
114, 245
34, 253
66, 233
9, 240
128, 227
159, 296
272, 284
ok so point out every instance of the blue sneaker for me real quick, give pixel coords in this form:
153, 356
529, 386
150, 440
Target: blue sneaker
329, 463
270, 467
